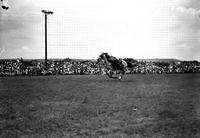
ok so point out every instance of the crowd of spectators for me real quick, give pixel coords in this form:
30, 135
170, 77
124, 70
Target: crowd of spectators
68, 66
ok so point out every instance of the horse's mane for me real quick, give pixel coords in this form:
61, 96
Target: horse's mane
104, 53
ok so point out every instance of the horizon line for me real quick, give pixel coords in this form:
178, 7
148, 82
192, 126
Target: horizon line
140, 59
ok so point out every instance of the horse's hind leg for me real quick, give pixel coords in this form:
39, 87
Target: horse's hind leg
120, 75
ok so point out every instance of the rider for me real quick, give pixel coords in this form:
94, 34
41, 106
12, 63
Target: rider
113, 64
123, 62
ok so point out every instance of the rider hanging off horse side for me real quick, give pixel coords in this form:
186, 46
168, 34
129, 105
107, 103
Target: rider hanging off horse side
114, 65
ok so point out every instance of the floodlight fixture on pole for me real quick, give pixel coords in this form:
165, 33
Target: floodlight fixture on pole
4, 5
46, 13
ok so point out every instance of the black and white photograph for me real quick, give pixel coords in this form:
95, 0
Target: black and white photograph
99, 68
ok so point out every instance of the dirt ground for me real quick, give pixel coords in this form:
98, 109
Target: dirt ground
157, 106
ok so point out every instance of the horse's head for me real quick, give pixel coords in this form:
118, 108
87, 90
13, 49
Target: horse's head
99, 60
103, 54
101, 57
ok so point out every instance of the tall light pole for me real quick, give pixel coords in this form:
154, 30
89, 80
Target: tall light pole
46, 13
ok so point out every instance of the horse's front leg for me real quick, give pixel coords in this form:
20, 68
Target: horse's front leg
109, 73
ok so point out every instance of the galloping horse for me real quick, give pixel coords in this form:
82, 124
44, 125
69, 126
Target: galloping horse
113, 64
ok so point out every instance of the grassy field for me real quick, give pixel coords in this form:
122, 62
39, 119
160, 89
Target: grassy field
96, 106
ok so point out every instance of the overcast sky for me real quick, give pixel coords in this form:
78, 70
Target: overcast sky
85, 28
